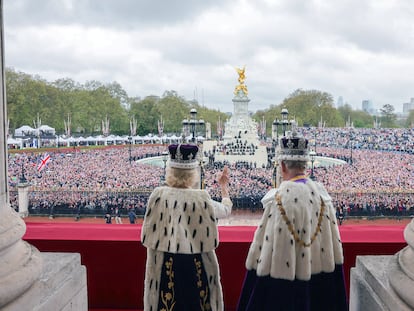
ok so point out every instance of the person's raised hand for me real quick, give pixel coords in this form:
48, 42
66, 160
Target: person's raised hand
223, 181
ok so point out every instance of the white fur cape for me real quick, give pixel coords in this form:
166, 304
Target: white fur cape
274, 251
182, 221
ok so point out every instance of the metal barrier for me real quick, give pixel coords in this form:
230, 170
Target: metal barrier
97, 203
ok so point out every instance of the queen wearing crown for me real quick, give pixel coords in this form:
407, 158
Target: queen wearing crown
180, 234
295, 261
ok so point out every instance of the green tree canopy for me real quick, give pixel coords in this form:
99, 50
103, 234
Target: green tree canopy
388, 118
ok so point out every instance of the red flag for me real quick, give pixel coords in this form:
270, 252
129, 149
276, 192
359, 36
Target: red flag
42, 164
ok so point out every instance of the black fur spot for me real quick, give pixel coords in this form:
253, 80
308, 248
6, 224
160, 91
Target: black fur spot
194, 233
154, 227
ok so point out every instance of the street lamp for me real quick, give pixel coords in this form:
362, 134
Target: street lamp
129, 148
312, 155
275, 130
285, 124
351, 145
164, 159
23, 179
192, 124
285, 121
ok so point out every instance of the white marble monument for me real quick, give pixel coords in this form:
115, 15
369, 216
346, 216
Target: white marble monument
240, 141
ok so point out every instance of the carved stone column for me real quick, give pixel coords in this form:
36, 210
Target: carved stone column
21, 263
401, 271
385, 282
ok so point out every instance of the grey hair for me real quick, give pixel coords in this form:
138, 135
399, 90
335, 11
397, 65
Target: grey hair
295, 165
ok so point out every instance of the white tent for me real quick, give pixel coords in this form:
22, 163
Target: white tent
46, 129
14, 142
24, 130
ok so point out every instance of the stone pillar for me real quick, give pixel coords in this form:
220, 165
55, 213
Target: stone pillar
23, 191
385, 282
401, 271
21, 263
30, 280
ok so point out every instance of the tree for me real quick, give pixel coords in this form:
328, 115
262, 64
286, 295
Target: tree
359, 118
410, 120
307, 107
388, 116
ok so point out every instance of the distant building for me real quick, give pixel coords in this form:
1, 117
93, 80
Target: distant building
368, 106
407, 107
340, 102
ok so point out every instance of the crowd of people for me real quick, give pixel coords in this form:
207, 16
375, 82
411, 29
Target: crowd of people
377, 179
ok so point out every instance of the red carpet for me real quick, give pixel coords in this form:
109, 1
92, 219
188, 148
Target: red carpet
115, 258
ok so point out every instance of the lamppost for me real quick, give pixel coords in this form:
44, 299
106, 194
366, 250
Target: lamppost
285, 124
285, 121
275, 131
23, 179
164, 159
312, 155
202, 185
130, 148
351, 145
191, 125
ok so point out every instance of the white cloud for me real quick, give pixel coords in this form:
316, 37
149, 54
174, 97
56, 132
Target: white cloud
357, 50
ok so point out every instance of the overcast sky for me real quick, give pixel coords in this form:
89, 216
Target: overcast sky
357, 49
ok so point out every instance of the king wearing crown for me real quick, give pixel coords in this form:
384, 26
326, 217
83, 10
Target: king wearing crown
180, 234
295, 261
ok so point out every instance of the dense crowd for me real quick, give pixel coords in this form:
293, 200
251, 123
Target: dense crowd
377, 179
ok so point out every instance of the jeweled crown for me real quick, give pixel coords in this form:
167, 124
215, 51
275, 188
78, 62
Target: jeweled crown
293, 147
183, 156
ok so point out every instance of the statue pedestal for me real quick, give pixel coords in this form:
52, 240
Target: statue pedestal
23, 192
384, 282
61, 286
370, 287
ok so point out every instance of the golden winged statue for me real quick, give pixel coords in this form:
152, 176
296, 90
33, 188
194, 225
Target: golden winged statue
242, 77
